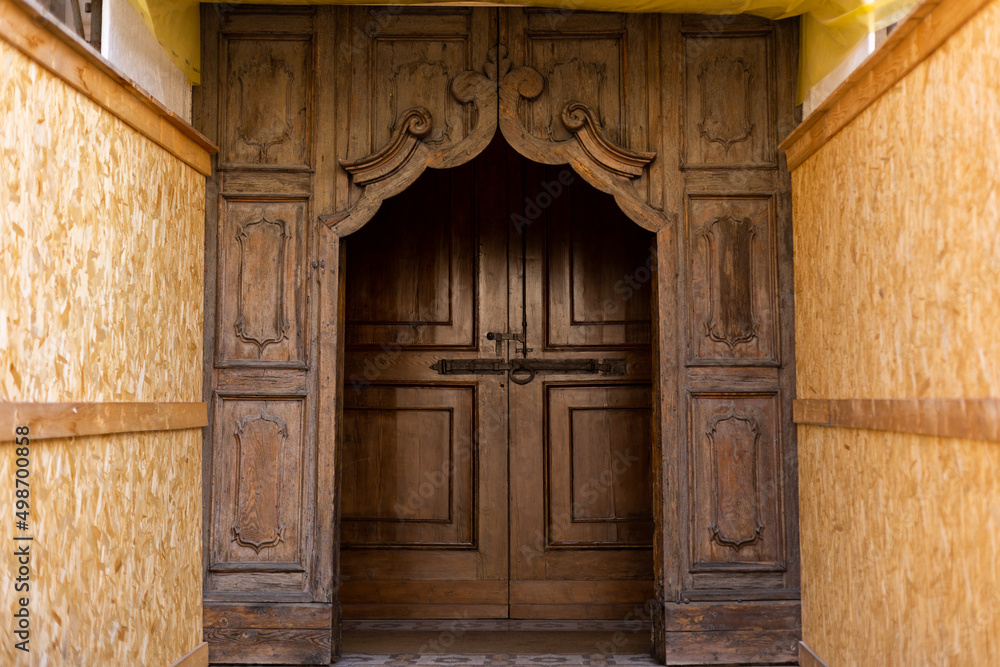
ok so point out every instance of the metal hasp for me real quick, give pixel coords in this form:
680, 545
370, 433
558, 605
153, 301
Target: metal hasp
523, 371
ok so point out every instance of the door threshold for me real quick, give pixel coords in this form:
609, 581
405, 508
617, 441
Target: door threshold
497, 624
495, 660
493, 637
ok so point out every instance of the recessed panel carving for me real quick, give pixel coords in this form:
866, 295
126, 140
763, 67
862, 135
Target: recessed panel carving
735, 521
732, 281
598, 448
261, 283
579, 92
266, 97
257, 467
729, 251
377, 441
424, 83
733, 443
727, 109
263, 244
408, 466
258, 495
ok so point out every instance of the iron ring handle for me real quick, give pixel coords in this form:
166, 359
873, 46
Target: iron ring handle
521, 375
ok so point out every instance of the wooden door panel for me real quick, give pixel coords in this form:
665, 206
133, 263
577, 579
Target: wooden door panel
408, 473
732, 265
695, 106
599, 491
597, 271
424, 458
732, 509
257, 531
415, 284
581, 508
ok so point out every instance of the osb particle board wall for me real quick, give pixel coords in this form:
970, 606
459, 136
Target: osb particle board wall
897, 268
101, 299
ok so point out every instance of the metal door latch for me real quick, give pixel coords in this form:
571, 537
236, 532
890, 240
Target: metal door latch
500, 337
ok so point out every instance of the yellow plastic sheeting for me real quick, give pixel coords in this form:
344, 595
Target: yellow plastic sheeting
830, 32
830, 28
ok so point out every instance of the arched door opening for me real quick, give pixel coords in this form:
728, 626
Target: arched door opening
497, 443
654, 122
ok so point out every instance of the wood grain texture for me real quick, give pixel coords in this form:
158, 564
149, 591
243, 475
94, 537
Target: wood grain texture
261, 479
752, 647
897, 298
196, 657
103, 244
66, 420
79, 66
282, 647
102, 301
273, 616
736, 481
899, 543
973, 419
112, 549
896, 260
747, 615
914, 40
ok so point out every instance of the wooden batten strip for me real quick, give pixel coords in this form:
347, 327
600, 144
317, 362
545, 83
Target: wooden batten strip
807, 658
67, 420
973, 419
197, 657
25, 27
913, 41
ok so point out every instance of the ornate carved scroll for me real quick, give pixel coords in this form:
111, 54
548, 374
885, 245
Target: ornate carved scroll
603, 164
581, 120
400, 162
413, 124
733, 440
260, 438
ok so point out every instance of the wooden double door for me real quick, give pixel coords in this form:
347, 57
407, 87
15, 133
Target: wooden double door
367, 229
497, 405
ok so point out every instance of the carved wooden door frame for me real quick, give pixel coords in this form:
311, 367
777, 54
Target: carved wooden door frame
608, 167
701, 171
